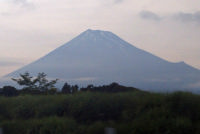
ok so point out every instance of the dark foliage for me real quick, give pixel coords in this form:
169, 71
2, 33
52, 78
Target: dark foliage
39, 83
9, 91
68, 89
89, 110
112, 88
133, 112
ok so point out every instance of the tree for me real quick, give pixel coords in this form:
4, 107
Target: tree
66, 89
1, 91
74, 89
38, 83
9, 91
26, 81
43, 83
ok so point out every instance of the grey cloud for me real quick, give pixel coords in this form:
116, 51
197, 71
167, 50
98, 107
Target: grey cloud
149, 15
188, 17
20, 1
5, 14
10, 62
180, 16
23, 3
118, 1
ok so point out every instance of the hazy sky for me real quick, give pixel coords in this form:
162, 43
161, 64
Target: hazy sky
30, 29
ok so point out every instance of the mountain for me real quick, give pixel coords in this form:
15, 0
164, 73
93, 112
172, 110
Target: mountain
101, 57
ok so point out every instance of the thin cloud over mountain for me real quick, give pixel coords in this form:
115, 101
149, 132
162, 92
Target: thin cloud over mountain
118, 1
15, 7
7, 62
188, 17
178, 16
149, 15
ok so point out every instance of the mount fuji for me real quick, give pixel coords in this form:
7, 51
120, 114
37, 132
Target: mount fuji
101, 57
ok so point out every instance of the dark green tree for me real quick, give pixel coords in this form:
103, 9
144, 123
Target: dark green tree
43, 83
74, 89
39, 83
67, 89
26, 81
9, 91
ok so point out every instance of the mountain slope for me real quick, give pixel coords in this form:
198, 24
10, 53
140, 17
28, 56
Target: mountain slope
101, 57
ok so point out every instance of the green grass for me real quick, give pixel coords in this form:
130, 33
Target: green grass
134, 112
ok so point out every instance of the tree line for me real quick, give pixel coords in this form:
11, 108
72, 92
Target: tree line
41, 85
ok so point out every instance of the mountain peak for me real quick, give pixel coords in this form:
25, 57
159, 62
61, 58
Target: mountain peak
91, 32
99, 35
100, 38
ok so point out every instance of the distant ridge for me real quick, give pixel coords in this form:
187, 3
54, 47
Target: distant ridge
101, 57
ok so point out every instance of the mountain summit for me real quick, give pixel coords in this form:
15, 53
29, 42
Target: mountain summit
101, 57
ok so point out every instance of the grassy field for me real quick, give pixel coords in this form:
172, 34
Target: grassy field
135, 112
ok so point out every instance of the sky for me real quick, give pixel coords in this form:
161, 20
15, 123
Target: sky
29, 29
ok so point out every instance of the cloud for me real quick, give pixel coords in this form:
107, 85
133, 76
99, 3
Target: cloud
10, 62
118, 1
23, 3
20, 1
178, 16
188, 17
149, 15
15, 7
111, 2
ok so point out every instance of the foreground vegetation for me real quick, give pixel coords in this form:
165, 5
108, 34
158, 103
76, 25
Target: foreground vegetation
89, 112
